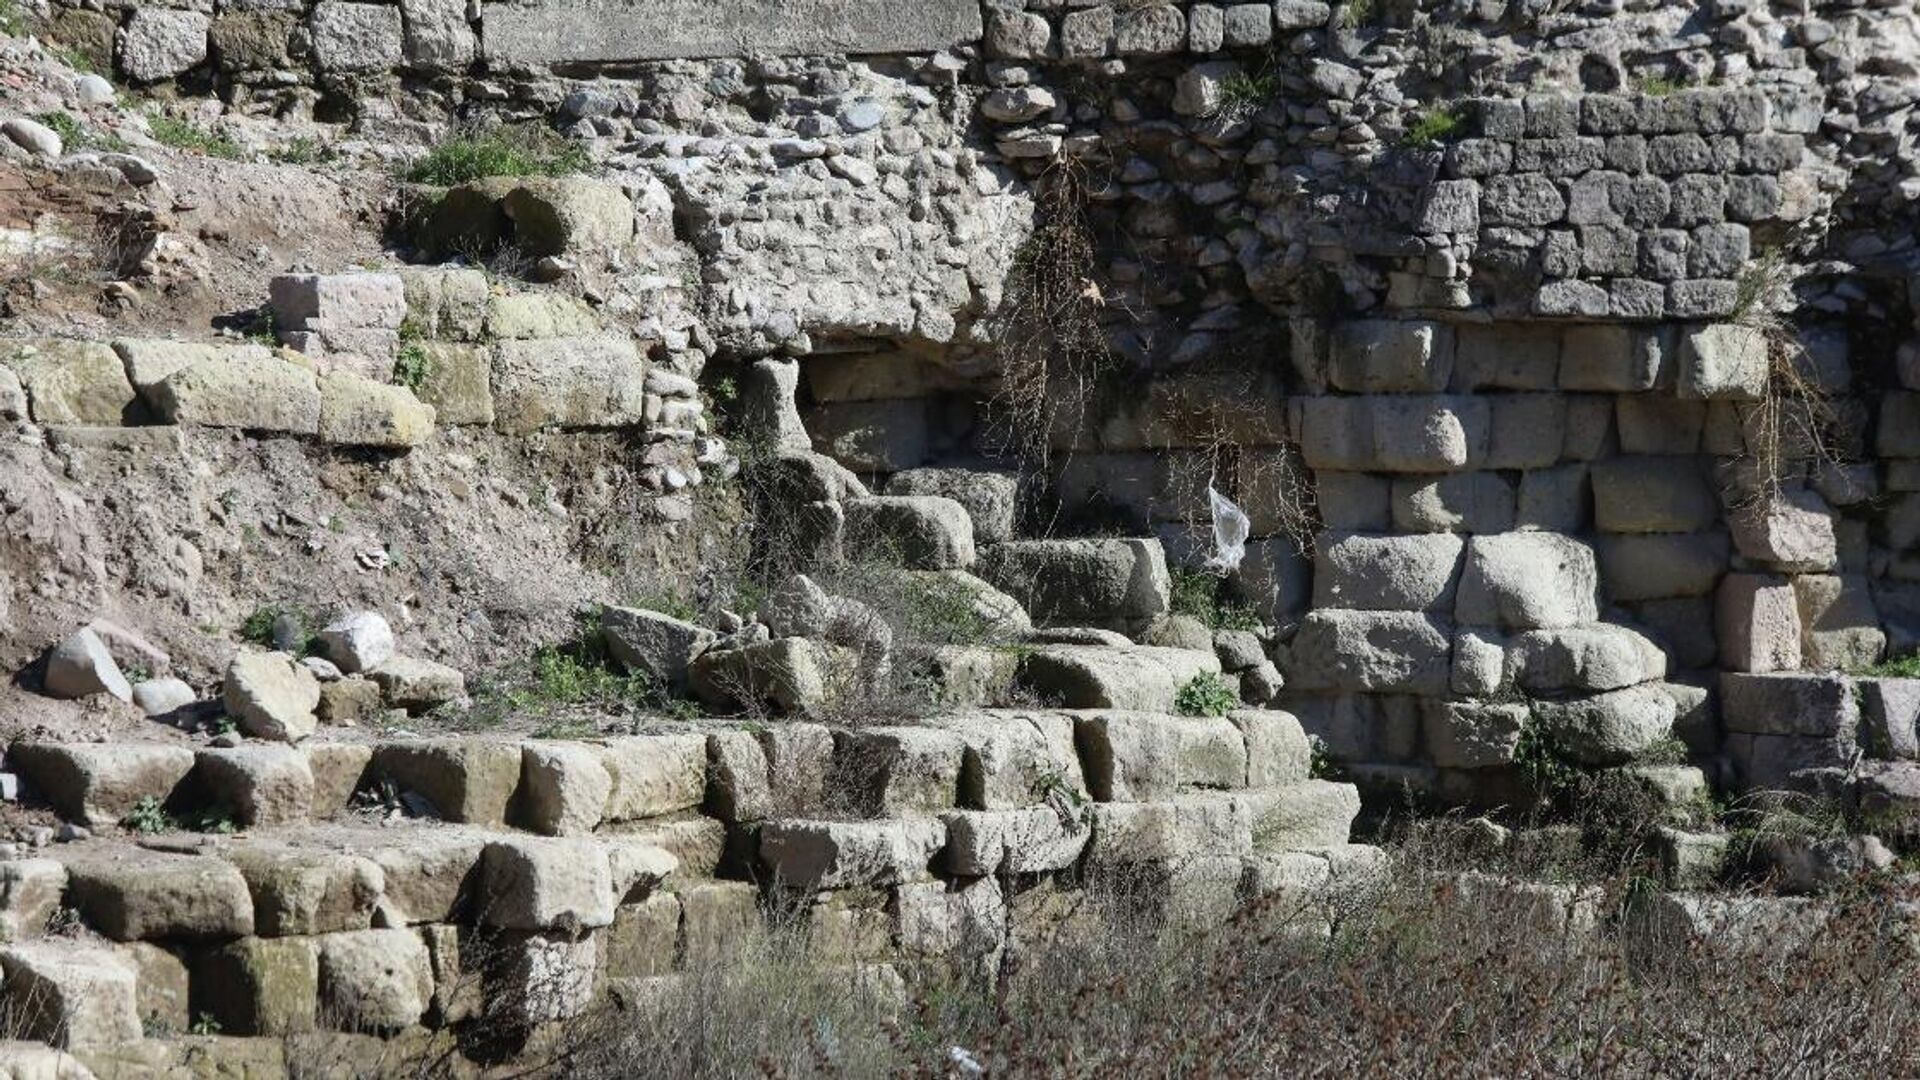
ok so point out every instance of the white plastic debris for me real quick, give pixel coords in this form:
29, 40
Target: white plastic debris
1231, 527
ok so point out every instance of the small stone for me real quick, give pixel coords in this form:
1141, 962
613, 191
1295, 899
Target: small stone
358, 642
157, 697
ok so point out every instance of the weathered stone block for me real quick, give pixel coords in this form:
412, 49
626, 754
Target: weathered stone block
466, 780
1529, 581
1652, 495
546, 884
568, 383
872, 436
157, 44
357, 38
1812, 706
308, 891
1378, 356
563, 788
132, 895
1609, 729
655, 775
990, 498
69, 995
72, 382
1471, 735
262, 786
1757, 621
98, 784
658, 646
1724, 361
1528, 431
1105, 677
355, 411
1387, 573
1394, 433
811, 855
1601, 656
1081, 582
1385, 651
920, 532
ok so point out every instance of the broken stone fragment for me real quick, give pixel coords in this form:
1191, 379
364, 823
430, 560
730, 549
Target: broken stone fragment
649, 643
272, 697
358, 642
418, 686
81, 667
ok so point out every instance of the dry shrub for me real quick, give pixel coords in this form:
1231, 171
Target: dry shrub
1053, 346
1423, 972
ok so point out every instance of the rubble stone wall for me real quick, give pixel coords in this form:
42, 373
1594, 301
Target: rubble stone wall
1500, 280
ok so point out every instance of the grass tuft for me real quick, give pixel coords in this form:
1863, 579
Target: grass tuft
520, 150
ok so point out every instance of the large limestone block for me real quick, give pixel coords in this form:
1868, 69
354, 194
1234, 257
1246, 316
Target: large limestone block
530, 315
1890, 718
812, 855
130, 894
1030, 841
271, 696
542, 978
1507, 356
466, 780
157, 43
1839, 625
900, 771
98, 784
1381, 356
991, 499
304, 891
438, 35
1175, 830
1724, 362
1612, 359
458, 383
1813, 706
375, 980
1662, 566
1475, 502
31, 891
241, 390
1793, 531
1129, 756
149, 361
1015, 759
69, 995
577, 382
259, 986
1104, 677
563, 788
658, 646
1278, 751
1529, 581
627, 30
739, 787
1600, 656
262, 786
321, 302
1653, 495
920, 532
1387, 433
356, 411
1387, 573
1077, 582
654, 775
1757, 623
1608, 729
1473, 735
1382, 651
570, 216
1306, 814
427, 869
337, 770
352, 38
795, 675
358, 641
71, 382
546, 884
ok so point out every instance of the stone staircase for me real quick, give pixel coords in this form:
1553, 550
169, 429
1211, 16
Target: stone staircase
418, 889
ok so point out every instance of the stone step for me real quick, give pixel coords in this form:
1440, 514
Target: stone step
965, 759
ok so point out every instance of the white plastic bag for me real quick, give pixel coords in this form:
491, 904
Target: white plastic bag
1231, 528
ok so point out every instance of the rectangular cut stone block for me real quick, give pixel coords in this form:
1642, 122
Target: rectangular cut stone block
1411, 433
1889, 711
1528, 430
1382, 356
1529, 581
1839, 626
555, 32
1387, 573
1757, 619
1661, 566
1387, 651
568, 383
1653, 495
1030, 841
1814, 706
1507, 356
1610, 359
1104, 677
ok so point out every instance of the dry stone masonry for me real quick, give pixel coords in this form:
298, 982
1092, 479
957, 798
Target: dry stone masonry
1524, 388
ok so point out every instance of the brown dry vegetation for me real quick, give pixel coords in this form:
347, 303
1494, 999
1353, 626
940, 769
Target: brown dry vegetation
1418, 974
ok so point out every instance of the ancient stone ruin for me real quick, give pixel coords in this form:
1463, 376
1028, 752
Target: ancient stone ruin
503, 501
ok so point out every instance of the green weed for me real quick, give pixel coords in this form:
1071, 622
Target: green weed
1896, 667
185, 136
148, 817
1206, 694
521, 150
1436, 126
413, 366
